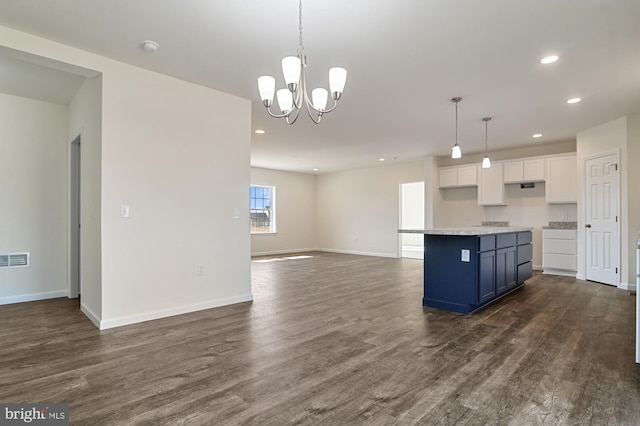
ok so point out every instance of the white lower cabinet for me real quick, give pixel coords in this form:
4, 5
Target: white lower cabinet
560, 251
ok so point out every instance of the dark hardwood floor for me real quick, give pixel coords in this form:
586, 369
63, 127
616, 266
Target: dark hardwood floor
338, 340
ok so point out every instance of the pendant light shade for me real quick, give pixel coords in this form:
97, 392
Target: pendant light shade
486, 163
456, 152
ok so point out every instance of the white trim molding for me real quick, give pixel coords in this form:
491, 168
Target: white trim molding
360, 253
7, 300
278, 252
153, 315
627, 286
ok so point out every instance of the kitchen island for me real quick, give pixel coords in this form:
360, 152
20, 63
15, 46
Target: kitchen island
467, 268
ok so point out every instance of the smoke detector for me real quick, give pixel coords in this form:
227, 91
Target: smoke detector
149, 46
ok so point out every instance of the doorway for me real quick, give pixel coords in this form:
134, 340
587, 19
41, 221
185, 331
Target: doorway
602, 228
75, 167
412, 217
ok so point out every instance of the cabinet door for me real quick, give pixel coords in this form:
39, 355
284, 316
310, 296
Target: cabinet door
533, 170
506, 272
562, 180
468, 176
491, 186
513, 171
501, 271
487, 276
511, 267
448, 177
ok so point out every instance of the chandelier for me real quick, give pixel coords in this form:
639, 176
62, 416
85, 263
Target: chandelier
295, 97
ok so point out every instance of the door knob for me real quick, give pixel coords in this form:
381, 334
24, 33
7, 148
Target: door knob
588, 225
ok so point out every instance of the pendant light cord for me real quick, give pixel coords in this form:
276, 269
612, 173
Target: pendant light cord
456, 123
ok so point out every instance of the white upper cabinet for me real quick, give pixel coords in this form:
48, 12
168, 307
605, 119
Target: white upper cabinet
491, 186
468, 176
452, 177
529, 170
562, 180
448, 177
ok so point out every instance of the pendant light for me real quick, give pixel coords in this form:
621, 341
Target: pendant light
486, 163
455, 151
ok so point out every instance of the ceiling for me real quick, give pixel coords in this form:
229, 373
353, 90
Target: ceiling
406, 59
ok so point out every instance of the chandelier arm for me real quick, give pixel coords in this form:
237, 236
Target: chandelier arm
278, 115
295, 116
315, 116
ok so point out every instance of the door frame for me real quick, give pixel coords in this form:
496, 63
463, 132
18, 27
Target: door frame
615, 152
400, 210
75, 207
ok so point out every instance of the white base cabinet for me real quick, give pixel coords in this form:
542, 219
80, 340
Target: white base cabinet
560, 251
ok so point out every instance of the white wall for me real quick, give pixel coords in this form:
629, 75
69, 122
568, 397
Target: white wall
33, 197
623, 136
358, 210
295, 212
178, 155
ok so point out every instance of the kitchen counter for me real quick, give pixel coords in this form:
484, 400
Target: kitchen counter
474, 230
561, 225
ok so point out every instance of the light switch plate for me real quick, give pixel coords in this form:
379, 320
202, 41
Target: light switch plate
464, 256
124, 210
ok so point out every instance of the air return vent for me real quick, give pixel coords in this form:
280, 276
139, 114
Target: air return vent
14, 260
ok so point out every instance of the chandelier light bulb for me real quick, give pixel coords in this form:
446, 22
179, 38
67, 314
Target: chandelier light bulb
319, 98
337, 80
291, 70
266, 87
486, 163
285, 100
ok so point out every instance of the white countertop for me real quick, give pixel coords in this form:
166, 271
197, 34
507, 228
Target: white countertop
474, 230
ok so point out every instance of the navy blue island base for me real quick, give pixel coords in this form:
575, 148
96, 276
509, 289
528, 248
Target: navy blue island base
463, 273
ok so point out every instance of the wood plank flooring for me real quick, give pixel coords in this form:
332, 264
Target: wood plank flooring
339, 340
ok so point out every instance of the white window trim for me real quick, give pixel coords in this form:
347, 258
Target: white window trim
274, 221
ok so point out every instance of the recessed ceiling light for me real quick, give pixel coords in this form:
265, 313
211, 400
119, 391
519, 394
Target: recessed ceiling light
315, 169
259, 131
537, 135
380, 159
549, 59
574, 100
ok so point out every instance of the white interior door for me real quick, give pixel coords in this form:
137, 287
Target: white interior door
412, 217
601, 222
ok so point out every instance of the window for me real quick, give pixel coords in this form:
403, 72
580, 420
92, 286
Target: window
262, 209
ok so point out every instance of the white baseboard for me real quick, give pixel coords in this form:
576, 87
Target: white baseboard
276, 252
360, 253
537, 267
7, 300
580, 277
627, 286
551, 271
148, 316
90, 314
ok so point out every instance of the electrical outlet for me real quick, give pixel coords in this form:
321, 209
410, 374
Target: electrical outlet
200, 270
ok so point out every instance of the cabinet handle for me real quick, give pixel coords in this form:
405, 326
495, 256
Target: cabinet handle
588, 225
